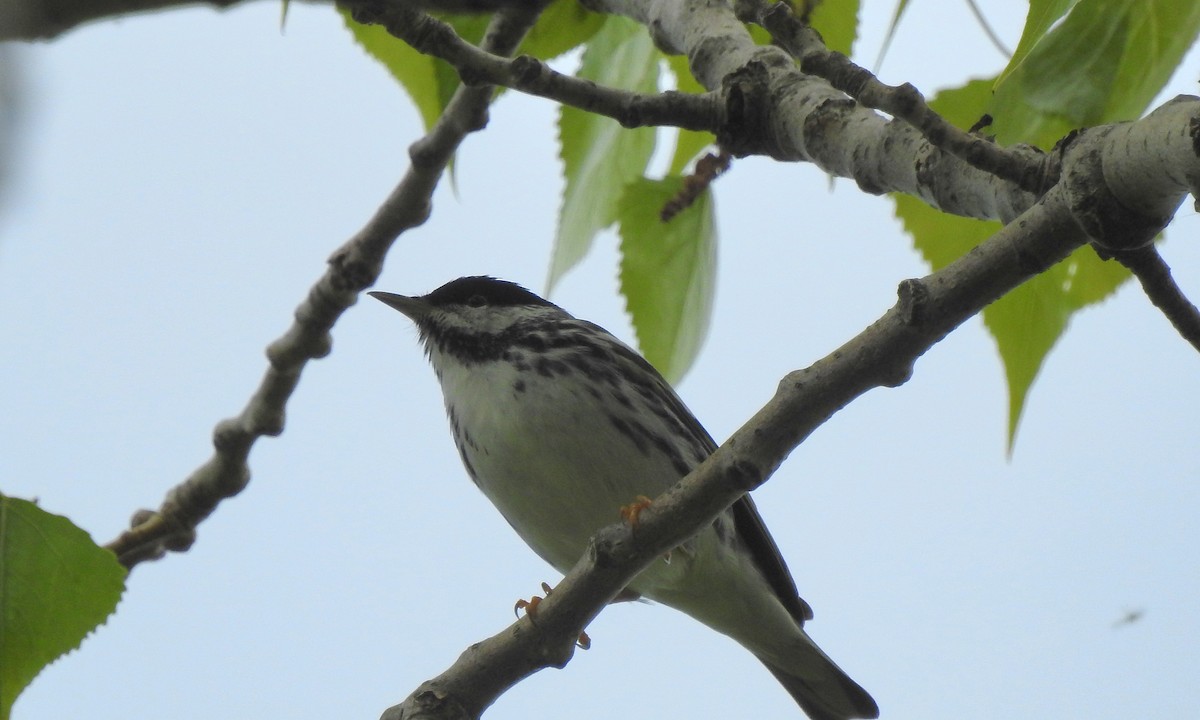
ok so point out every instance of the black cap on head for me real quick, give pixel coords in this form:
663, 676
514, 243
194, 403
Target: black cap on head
482, 290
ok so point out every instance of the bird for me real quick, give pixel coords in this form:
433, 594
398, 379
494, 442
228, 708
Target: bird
559, 423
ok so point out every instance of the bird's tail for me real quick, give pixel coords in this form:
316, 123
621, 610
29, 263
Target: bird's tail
828, 694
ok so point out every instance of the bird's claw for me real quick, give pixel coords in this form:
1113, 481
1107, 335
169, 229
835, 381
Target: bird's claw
530, 606
633, 511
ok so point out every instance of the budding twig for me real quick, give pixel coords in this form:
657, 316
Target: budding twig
707, 169
354, 267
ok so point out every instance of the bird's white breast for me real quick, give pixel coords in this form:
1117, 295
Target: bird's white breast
548, 453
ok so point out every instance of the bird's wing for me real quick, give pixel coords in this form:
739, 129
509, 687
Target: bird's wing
752, 533
749, 528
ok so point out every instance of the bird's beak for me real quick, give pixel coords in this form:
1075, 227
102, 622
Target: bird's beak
415, 308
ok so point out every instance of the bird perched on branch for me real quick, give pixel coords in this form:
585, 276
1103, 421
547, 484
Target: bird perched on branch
560, 424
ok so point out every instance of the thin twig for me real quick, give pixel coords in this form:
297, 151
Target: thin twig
1154, 274
988, 29
708, 168
351, 269
529, 75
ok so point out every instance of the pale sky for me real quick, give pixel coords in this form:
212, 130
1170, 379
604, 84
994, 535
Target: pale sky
182, 178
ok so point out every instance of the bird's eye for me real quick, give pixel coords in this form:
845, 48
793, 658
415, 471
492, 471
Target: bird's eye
477, 301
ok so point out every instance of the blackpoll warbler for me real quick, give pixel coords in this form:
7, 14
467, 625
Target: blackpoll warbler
560, 424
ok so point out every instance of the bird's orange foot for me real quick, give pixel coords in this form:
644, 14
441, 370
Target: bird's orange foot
633, 511
530, 607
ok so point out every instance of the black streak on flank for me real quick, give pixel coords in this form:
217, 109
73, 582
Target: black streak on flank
467, 464
549, 368
672, 452
461, 437
635, 432
536, 343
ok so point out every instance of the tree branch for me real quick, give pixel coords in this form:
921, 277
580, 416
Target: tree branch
773, 108
433, 37
1034, 173
46, 19
1148, 266
354, 267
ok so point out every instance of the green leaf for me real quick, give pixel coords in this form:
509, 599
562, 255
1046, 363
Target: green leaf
1042, 14
562, 27
759, 35
430, 82
1103, 63
963, 106
837, 21
940, 238
668, 272
469, 26
599, 156
445, 78
688, 143
893, 26
1027, 322
416, 73
56, 586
